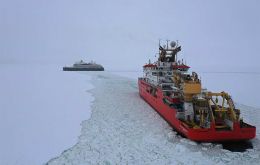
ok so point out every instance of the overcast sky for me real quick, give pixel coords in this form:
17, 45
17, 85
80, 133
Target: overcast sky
124, 34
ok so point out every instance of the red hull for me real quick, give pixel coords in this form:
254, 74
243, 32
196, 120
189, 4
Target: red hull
201, 134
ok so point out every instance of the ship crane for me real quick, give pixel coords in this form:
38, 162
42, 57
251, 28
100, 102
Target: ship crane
179, 98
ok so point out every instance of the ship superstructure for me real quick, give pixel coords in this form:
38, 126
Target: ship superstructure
179, 98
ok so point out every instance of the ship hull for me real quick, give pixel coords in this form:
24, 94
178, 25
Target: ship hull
82, 69
211, 134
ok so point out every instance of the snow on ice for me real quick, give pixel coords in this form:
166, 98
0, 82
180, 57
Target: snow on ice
123, 129
41, 108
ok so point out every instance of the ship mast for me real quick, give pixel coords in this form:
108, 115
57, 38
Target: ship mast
168, 54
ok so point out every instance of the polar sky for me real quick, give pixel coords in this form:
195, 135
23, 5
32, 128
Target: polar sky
123, 35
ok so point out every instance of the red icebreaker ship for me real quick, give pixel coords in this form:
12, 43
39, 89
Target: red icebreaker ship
178, 97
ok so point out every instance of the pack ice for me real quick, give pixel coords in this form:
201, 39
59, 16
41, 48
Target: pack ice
123, 129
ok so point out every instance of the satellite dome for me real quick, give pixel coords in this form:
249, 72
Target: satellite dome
173, 44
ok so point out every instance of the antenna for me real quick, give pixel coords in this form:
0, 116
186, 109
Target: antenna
159, 49
177, 44
167, 43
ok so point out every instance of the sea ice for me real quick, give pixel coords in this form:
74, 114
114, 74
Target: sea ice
123, 129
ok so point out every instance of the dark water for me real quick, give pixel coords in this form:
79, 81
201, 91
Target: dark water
237, 146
